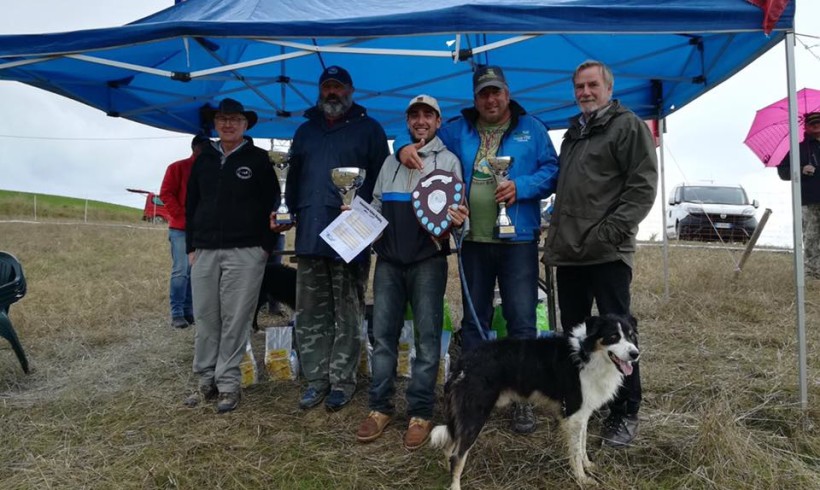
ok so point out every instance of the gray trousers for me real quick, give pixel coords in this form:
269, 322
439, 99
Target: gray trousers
225, 284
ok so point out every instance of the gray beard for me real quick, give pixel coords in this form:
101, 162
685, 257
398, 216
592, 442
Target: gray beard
335, 108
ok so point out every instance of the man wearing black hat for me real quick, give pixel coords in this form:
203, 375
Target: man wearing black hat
809, 191
172, 193
330, 293
499, 126
231, 194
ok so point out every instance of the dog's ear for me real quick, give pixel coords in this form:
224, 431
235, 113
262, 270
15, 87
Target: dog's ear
632, 320
593, 324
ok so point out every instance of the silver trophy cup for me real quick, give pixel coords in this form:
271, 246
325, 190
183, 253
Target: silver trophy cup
281, 165
347, 180
500, 167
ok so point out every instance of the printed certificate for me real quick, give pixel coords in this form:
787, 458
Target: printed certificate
354, 230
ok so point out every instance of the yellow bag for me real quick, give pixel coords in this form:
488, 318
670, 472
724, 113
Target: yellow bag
248, 367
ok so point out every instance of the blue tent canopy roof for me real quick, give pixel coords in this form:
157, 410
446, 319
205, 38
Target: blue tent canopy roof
268, 54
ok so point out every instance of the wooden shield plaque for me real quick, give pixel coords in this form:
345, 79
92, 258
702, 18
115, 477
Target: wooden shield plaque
433, 196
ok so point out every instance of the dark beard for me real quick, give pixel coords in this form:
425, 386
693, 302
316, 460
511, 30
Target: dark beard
334, 107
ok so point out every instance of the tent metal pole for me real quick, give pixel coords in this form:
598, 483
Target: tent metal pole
661, 130
799, 277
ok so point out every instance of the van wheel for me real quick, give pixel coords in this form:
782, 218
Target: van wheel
678, 231
158, 220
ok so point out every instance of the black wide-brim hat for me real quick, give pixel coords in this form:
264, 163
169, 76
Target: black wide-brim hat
231, 106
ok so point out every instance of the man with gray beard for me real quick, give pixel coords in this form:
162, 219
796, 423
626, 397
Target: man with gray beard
330, 292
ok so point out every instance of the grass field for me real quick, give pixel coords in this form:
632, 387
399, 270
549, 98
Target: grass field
102, 407
27, 206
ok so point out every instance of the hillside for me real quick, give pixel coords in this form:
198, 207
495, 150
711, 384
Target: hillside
23, 206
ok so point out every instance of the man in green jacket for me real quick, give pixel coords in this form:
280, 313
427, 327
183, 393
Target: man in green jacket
606, 187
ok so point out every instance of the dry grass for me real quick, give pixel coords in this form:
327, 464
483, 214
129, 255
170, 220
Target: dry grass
102, 407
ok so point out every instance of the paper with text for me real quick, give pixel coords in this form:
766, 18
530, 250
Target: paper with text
354, 230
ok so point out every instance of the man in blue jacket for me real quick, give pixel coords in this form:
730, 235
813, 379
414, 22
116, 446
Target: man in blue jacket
499, 126
330, 292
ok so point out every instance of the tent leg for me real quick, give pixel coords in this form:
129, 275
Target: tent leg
799, 278
661, 131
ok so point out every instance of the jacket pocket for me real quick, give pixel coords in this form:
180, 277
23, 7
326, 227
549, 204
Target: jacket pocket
579, 238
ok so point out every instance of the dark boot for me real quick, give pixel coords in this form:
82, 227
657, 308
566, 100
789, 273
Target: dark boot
619, 429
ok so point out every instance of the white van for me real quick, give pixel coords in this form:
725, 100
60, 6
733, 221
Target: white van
708, 211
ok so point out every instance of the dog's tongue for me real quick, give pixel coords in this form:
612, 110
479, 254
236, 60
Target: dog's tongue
626, 367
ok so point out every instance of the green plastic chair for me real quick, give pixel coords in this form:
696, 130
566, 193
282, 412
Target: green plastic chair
12, 288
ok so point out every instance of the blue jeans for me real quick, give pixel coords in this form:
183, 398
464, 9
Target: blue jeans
516, 268
180, 276
423, 285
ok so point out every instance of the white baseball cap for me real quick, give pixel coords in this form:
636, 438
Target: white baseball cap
426, 100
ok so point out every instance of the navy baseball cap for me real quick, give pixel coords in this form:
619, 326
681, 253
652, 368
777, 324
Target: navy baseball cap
336, 73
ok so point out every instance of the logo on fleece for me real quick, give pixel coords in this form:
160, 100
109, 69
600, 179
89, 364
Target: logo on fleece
244, 173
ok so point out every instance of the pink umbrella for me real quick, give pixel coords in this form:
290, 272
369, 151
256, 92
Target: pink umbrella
768, 137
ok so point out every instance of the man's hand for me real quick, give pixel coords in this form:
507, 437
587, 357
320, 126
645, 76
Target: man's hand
458, 215
191, 258
505, 192
409, 155
277, 228
809, 170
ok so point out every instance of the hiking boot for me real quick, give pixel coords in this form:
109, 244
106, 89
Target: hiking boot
372, 427
619, 430
205, 393
190, 319
417, 433
179, 322
228, 401
312, 397
337, 399
523, 419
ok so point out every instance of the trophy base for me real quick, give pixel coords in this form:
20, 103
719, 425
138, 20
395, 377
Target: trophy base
283, 219
503, 232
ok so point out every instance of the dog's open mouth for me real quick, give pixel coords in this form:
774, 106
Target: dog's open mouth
624, 366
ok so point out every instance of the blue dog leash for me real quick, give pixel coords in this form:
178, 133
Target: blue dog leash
458, 234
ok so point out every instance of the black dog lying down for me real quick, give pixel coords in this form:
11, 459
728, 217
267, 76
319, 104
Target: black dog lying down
579, 371
279, 285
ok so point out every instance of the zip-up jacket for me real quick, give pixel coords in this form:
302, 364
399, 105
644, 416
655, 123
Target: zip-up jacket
404, 241
355, 140
173, 191
534, 169
607, 186
809, 184
230, 199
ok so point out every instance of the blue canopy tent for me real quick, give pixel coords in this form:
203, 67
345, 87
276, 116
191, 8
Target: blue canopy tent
268, 54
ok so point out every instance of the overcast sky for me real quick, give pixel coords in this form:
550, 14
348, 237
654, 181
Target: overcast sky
53, 145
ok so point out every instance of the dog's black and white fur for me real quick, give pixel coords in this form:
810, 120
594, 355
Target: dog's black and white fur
580, 371
279, 285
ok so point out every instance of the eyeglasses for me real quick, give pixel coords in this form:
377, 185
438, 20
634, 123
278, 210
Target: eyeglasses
235, 120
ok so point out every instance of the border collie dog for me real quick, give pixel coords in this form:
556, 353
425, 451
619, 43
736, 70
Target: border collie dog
580, 371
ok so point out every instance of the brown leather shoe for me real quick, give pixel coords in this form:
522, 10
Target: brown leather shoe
417, 433
372, 427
